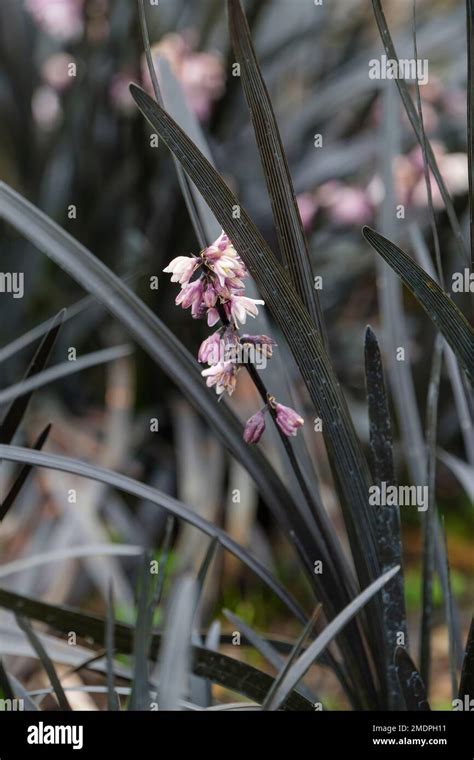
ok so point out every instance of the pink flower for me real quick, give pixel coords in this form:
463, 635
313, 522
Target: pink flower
345, 204
119, 93
224, 261
190, 295
219, 293
410, 176
213, 317
211, 350
254, 428
46, 108
210, 296
182, 268
223, 375
55, 71
240, 306
288, 420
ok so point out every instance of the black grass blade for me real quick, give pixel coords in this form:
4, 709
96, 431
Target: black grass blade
466, 687
15, 413
304, 662
204, 570
388, 517
176, 649
61, 370
173, 506
381, 441
45, 660
443, 312
219, 668
22, 476
113, 703
411, 682
430, 517
293, 656
291, 237
6, 690
140, 696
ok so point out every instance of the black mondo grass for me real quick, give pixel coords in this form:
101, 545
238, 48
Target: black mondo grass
188, 619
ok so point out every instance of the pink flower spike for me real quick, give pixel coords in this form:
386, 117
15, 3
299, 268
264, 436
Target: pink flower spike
223, 375
254, 428
182, 268
240, 306
288, 420
211, 349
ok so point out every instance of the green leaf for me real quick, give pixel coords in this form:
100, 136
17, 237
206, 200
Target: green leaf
443, 312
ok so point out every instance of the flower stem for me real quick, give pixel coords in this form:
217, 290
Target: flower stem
262, 390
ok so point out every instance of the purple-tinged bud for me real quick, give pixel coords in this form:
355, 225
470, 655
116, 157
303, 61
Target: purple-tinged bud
262, 343
288, 420
254, 428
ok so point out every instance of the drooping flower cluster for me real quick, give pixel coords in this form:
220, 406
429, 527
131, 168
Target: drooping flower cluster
212, 286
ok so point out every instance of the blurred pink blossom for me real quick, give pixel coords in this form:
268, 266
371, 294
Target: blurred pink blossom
410, 178
62, 19
308, 206
119, 93
55, 71
200, 74
46, 108
345, 204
